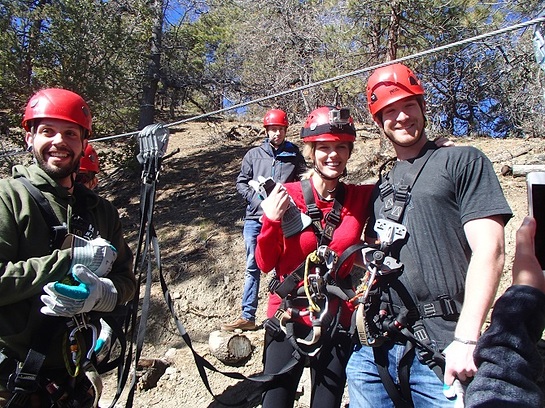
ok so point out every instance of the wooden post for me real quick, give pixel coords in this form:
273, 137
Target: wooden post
520, 170
228, 347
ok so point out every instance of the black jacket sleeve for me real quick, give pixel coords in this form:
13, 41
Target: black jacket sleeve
506, 356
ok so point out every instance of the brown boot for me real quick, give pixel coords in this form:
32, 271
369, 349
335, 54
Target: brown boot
240, 323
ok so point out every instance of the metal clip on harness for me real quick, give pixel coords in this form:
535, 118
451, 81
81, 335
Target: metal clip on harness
314, 285
153, 140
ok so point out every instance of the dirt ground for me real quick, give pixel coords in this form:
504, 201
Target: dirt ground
198, 220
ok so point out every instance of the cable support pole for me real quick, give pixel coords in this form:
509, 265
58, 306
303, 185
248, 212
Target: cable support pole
343, 76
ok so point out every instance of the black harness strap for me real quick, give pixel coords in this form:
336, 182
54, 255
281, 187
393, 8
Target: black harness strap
381, 361
332, 220
395, 201
25, 380
58, 229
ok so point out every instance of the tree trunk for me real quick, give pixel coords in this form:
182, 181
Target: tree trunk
153, 74
228, 347
393, 31
520, 170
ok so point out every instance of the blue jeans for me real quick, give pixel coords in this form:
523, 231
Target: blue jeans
252, 274
365, 386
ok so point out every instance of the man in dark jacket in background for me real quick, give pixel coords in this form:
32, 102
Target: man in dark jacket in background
281, 160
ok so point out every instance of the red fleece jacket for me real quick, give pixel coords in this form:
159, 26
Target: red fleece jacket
274, 251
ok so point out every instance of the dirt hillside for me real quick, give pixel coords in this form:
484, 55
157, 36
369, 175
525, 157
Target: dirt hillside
198, 220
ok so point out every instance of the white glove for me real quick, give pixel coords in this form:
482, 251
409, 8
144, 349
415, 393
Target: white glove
63, 299
98, 254
91, 293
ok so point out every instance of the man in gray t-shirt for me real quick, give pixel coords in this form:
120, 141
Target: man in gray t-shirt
453, 252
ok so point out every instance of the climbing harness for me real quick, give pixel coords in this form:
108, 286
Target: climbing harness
27, 377
310, 288
376, 319
153, 141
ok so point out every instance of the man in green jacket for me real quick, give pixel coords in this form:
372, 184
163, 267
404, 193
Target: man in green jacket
50, 278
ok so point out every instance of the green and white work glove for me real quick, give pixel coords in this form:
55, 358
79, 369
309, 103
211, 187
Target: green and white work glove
88, 292
98, 254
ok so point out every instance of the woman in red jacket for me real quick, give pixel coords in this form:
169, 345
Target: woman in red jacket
308, 316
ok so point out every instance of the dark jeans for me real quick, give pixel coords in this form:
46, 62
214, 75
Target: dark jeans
327, 370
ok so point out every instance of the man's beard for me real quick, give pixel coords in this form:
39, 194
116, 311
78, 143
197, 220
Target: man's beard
56, 173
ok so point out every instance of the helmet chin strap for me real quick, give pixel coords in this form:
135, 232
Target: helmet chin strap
322, 175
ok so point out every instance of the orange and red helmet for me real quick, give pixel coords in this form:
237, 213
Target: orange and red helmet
275, 117
89, 161
57, 103
390, 84
329, 124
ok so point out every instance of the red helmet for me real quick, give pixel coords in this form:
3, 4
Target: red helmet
275, 117
390, 84
57, 103
89, 161
329, 124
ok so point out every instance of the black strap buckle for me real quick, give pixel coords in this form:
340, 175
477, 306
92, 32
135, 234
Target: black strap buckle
444, 307
289, 284
274, 284
314, 212
420, 333
448, 306
25, 378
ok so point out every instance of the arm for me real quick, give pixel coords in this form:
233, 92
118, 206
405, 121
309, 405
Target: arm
25, 269
121, 275
246, 174
270, 240
486, 239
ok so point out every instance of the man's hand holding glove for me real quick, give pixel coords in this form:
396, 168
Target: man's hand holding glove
98, 254
84, 288
89, 293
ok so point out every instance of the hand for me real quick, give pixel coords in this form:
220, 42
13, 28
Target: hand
64, 299
526, 268
443, 142
102, 292
276, 204
98, 254
90, 293
459, 362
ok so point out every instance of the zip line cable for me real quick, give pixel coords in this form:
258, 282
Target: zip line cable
343, 76
514, 27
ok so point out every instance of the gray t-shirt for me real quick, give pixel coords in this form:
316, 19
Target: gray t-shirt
456, 185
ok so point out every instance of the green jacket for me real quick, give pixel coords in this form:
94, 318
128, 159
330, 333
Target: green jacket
27, 263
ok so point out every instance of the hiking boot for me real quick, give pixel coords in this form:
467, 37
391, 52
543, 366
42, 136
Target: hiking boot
240, 323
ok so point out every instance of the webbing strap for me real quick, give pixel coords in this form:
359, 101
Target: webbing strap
25, 379
396, 199
148, 244
381, 361
58, 230
332, 220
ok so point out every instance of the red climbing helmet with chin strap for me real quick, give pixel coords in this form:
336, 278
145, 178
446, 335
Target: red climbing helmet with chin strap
390, 84
57, 103
275, 117
89, 161
329, 124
